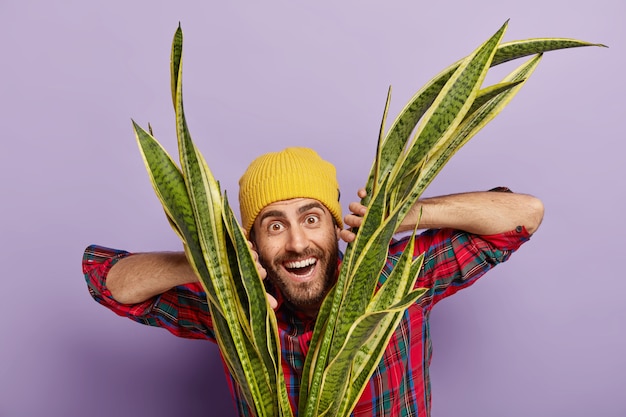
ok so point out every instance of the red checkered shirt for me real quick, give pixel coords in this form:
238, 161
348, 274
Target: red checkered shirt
400, 386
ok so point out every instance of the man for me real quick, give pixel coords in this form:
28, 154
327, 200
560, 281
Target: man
289, 203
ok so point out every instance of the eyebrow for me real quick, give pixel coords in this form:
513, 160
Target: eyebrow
280, 213
310, 206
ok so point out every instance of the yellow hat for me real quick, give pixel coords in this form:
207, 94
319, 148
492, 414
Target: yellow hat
290, 173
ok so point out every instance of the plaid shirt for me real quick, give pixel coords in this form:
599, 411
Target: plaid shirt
400, 386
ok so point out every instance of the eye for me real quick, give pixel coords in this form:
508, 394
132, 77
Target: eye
275, 227
311, 219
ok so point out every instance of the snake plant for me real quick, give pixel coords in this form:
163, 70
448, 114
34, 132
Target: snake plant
355, 321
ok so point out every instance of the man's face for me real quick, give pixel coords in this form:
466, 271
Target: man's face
297, 244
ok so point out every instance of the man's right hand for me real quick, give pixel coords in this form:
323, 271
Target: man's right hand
354, 219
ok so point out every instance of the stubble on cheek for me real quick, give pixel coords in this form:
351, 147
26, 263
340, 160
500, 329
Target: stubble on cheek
303, 293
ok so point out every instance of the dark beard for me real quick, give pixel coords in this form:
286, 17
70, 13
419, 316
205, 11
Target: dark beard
301, 296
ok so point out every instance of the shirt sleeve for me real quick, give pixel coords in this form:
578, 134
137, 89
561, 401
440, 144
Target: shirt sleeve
183, 310
454, 259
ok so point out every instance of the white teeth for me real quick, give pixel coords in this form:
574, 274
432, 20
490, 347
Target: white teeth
300, 264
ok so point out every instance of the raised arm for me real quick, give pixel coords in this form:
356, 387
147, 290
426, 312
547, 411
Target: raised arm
138, 277
482, 213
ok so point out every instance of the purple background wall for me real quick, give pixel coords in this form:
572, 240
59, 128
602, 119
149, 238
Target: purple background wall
541, 335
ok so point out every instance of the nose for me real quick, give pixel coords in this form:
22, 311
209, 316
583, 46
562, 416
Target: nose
297, 240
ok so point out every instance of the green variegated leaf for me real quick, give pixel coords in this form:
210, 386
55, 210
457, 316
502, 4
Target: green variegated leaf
320, 349
487, 93
373, 188
206, 203
396, 139
401, 279
477, 121
252, 289
175, 60
450, 106
406, 121
365, 273
355, 286
337, 377
168, 183
399, 282
439, 124
313, 362
169, 186
509, 51
322, 340
239, 290
263, 322
361, 289
404, 183
211, 232
246, 343
373, 219
369, 355
235, 366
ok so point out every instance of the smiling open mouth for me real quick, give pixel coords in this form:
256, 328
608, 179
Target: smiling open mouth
302, 267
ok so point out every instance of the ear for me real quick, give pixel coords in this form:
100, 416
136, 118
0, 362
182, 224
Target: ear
250, 238
338, 232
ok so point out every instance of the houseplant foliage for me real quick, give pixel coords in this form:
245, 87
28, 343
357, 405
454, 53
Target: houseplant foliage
356, 319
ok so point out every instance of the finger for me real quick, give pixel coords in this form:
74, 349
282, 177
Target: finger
273, 302
262, 271
347, 236
357, 208
361, 193
255, 256
352, 220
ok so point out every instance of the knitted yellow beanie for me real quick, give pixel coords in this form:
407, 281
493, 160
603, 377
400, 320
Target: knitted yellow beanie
290, 173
